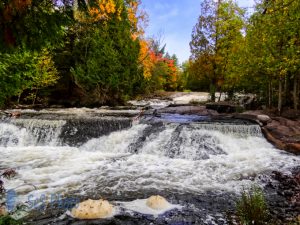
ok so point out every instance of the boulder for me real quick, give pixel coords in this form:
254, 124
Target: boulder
293, 148
157, 202
264, 119
3, 211
223, 107
283, 133
277, 142
93, 209
188, 110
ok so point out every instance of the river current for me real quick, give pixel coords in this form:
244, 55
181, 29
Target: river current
130, 161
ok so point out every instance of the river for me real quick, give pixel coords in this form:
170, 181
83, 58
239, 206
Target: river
199, 164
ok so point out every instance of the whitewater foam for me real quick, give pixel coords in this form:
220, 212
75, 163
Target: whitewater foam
178, 159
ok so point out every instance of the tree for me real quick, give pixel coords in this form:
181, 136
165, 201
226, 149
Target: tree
106, 67
31, 24
272, 46
26, 28
214, 36
25, 70
45, 73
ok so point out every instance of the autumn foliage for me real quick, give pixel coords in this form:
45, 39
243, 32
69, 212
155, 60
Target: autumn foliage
99, 10
163, 71
92, 52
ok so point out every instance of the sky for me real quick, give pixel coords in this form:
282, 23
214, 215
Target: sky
173, 21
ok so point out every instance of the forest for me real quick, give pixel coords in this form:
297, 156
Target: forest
93, 53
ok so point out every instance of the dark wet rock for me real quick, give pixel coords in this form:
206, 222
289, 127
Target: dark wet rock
282, 192
207, 208
223, 107
78, 131
284, 134
175, 142
152, 130
195, 110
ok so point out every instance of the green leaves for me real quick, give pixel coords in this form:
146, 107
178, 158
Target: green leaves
252, 207
106, 61
214, 41
31, 24
23, 70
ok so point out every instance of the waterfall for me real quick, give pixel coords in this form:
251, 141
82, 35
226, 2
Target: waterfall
40, 132
236, 129
110, 156
45, 132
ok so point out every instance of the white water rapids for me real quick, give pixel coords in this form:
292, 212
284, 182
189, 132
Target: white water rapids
178, 158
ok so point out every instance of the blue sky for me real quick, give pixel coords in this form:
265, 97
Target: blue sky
174, 20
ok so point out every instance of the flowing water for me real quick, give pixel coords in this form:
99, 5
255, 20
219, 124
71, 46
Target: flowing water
125, 162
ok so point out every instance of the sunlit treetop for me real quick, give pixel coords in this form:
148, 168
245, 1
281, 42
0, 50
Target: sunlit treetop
97, 10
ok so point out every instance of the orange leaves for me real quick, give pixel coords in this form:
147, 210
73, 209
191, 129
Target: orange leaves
15, 6
100, 11
137, 17
157, 66
146, 59
132, 13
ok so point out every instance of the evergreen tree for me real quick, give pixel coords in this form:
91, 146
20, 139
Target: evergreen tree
106, 66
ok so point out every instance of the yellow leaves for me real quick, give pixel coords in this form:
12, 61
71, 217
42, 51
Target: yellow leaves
137, 18
145, 59
46, 73
100, 11
132, 13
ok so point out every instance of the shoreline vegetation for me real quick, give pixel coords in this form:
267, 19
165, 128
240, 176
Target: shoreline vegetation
93, 53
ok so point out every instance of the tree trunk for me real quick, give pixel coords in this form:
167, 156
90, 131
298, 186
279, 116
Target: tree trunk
270, 95
295, 93
212, 91
280, 97
220, 96
19, 98
285, 92
34, 97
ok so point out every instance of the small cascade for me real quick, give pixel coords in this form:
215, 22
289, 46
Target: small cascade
190, 141
76, 132
30, 132
231, 129
55, 132
42, 132
11, 135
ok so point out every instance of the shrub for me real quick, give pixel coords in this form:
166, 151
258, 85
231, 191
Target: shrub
252, 207
7, 220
